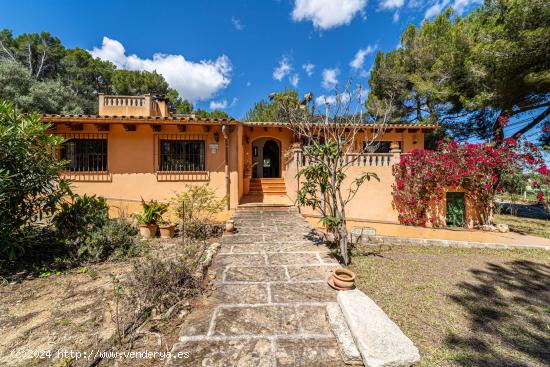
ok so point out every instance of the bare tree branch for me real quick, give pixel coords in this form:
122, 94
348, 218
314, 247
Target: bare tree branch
334, 142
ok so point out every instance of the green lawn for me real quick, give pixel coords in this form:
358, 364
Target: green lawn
534, 227
464, 307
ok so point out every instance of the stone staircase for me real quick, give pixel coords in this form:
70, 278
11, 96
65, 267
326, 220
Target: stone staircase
267, 186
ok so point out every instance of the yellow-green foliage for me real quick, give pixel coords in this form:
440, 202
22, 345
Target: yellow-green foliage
197, 205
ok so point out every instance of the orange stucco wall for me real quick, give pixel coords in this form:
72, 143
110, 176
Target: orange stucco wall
131, 165
373, 200
132, 169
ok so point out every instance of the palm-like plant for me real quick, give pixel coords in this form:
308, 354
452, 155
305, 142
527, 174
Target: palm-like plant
152, 212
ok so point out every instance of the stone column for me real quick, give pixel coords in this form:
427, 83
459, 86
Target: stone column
395, 149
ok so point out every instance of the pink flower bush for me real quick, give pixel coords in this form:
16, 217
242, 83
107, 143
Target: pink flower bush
423, 176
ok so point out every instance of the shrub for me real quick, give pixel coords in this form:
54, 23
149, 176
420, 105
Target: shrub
481, 170
152, 212
30, 185
196, 208
81, 216
161, 283
88, 232
115, 239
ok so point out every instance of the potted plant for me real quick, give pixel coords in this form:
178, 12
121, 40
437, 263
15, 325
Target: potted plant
166, 229
149, 217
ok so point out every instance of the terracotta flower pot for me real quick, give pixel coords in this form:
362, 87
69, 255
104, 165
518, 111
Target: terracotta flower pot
148, 230
343, 278
167, 230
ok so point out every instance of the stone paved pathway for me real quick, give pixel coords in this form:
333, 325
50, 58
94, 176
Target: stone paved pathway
269, 306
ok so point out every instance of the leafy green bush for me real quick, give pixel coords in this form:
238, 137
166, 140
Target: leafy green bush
82, 215
152, 212
115, 239
88, 232
196, 208
30, 185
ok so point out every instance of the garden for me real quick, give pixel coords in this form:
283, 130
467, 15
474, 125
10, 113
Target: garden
71, 277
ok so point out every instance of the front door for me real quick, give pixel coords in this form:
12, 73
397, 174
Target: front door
270, 159
455, 209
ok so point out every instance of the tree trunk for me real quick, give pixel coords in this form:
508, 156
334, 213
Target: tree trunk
343, 235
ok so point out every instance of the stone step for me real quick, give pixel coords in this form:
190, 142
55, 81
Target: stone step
379, 340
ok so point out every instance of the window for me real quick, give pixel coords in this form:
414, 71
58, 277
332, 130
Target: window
182, 155
85, 154
377, 147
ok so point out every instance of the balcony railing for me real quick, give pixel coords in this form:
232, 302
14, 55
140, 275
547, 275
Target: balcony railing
355, 159
124, 101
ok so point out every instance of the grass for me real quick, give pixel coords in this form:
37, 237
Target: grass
464, 307
535, 227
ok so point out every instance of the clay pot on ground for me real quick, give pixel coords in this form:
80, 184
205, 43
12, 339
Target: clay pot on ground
343, 278
167, 230
148, 230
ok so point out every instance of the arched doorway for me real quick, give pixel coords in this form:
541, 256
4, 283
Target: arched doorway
266, 158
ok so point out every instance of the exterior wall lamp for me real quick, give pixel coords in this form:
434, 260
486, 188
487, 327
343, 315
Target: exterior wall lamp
216, 137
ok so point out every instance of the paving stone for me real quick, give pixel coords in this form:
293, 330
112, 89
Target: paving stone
308, 352
302, 292
314, 319
268, 320
255, 274
231, 353
198, 321
315, 272
284, 237
252, 247
296, 246
243, 238
269, 306
328, 258
292, 258
240, 293
239, 259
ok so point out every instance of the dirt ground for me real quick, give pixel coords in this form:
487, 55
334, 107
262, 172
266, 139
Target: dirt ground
43, 320
464, 307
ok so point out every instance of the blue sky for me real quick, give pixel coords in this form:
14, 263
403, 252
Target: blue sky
229, 54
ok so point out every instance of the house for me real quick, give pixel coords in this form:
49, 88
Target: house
134, 148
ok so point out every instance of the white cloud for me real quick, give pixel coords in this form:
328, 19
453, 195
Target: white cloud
218, 105
332, 99
308, 68
237, 23
223, 104
391, 4
359, 59
193, 80
395, 17
436, 9
294, 79
326, 14
283, 69
461, 5
458, 5
330, 78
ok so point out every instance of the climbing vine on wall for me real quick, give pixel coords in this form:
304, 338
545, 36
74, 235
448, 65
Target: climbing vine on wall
423, 176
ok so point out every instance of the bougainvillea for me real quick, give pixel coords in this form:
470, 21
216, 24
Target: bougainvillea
423, 176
